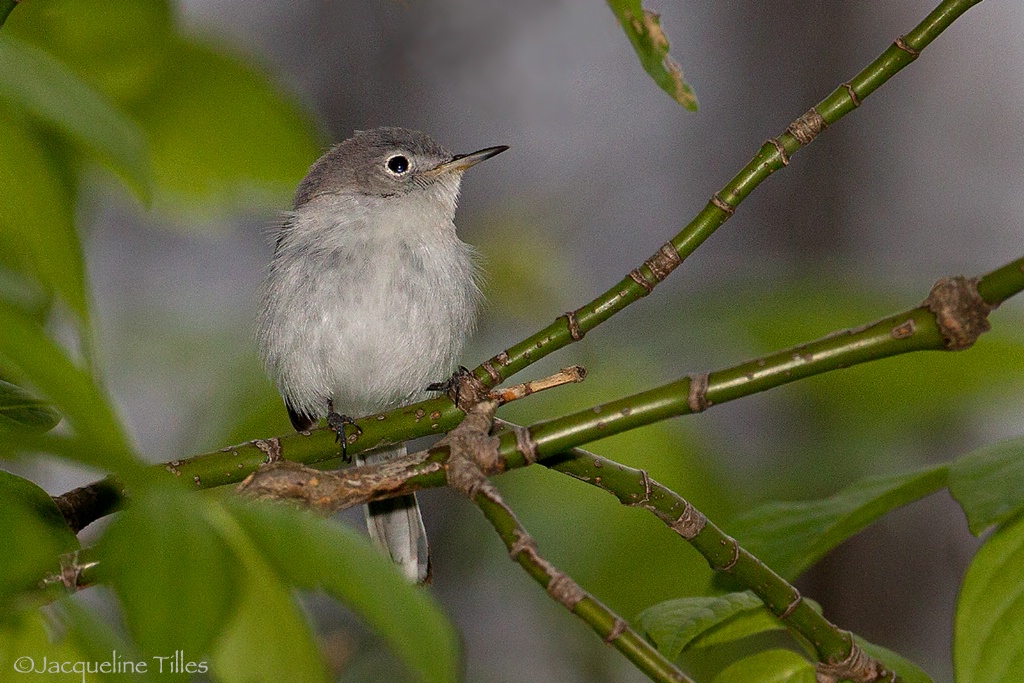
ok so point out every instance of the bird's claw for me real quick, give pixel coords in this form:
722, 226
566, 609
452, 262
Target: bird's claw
453, 385
337, 422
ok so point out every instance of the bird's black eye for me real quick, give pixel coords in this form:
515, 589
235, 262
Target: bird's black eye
398, 164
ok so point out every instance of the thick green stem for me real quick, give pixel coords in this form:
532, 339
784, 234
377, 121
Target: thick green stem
773, 156
635, 488
612, 628
912, 330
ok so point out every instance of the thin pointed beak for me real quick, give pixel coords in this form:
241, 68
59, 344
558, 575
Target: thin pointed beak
463, 161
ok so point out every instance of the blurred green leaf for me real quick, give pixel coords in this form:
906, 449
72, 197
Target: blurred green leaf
31, 634
33, 535
221, 132
313, 553
171, 569
989, 483
37, 213
643, 28
50, 91
988, 646
790, 537
770, 666
907, 670
118, 52
675, 625
30, 357
269, 638
21, 410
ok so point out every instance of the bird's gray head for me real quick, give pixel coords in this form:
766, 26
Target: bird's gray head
388, 162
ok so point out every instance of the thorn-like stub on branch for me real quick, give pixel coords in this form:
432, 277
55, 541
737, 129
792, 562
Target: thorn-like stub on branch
960, 312
697, 399
270, 447
573, 322
807, 127
70, 572
852, 93
690, 523
562, 588
858, 667
902, 44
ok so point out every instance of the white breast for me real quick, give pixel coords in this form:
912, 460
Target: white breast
366, 312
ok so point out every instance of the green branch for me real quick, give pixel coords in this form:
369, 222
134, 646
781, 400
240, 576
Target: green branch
635, 488
773, 156
928, 326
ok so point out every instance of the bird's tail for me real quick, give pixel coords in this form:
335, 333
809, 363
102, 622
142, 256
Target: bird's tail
396, 525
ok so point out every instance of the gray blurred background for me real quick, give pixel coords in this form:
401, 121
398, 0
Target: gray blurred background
924, 180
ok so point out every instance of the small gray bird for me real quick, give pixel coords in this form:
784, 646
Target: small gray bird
370, 297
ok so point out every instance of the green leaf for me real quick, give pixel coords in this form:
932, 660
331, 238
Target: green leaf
33, 535
989, 483
268, 639
50, 91
30, 357
119, 53
907, 670
21, 410
675, 625
988, 629
770, 666
315, 553
37, 228
171, 569
643, 28
221, 132
790, 537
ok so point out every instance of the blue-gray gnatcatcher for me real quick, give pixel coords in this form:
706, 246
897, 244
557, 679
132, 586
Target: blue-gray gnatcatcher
370, 296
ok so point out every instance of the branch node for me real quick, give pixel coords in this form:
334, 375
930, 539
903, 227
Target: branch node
852, 93
698, 393
270, 447
858, 667
807, 127
690, 523
638, 278
720, 203
960, 312
525, 443
495, 377
904, 330
524, 543
780, 149
617, 630
791, 607
574, 325
664, 261
902, 44
562, 588
646, 479
728, 566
